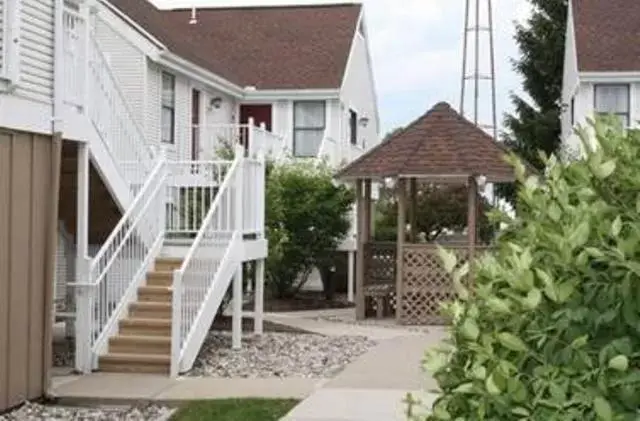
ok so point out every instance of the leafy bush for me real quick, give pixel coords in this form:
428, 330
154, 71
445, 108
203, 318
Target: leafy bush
551, 330
307, 216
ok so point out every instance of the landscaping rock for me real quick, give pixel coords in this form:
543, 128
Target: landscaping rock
278, 355
33, 411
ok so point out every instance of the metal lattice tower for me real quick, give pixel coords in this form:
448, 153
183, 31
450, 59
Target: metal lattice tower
476, 23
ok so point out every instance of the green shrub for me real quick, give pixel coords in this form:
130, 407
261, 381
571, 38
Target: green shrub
551, 330
307, 216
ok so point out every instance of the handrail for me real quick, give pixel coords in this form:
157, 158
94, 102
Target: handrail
207, 219
123, 102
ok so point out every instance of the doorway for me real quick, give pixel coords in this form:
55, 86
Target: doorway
261, 113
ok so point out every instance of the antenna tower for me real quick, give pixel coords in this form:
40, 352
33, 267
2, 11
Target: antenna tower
479, 21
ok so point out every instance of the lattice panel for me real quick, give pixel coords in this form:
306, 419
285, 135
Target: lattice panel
425, 284
380, 263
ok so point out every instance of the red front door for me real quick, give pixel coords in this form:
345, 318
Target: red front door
261, 113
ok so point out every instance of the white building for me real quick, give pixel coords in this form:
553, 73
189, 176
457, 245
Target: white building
602, 64
143, 98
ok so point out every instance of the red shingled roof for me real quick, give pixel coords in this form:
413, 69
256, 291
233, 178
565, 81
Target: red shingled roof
277, 47
439, 145
607, 34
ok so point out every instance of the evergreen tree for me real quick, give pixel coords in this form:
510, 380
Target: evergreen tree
535, 124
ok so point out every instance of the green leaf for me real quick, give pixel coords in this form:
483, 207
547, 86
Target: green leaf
579, 342
470, 330
616, 227
448, 258
533, 299
498, 305
491, 386
580, 235
605, 169
512, 342
523, 412
564, 291
544, 277
603, 409
464, 388
619, 363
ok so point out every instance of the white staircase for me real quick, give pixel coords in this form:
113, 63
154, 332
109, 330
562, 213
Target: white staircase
133, 313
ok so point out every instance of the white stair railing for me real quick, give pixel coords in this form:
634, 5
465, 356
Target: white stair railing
199, 285
262, 141
110, 280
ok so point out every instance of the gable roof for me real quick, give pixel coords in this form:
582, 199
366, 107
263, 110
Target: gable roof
607, 33
276, 47
440, 145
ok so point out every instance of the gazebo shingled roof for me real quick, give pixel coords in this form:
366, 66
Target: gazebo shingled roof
441, 144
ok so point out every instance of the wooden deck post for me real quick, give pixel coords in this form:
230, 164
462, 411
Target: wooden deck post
401, 192
360, 264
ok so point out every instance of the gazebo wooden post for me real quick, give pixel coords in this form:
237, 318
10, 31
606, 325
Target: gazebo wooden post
402, 206
360, 256
471, 222
413, 209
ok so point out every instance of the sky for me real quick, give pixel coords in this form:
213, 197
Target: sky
416, 48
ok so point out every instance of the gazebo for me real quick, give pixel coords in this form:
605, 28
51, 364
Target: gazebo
440, 147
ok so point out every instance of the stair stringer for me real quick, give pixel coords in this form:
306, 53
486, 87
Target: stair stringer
221, 283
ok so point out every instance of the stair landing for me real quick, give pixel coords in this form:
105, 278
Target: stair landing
143, 342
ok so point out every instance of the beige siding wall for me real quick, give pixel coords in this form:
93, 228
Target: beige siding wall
29, 168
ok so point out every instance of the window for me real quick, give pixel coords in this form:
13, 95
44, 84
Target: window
613, 99
308, 127
168, 116
353, 127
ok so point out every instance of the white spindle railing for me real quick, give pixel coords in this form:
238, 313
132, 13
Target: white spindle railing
216, 137
193, 186
114, 274
73, 27
264, 142
202, 280
113, 119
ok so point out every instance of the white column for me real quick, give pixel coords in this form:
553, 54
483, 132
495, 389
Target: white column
84, 318
258, 311
236, 330
350, 278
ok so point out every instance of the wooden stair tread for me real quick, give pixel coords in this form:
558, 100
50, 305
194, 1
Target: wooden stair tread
120, 358
150, 305
142, 338
139, 321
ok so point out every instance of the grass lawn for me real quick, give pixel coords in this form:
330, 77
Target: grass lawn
235, 410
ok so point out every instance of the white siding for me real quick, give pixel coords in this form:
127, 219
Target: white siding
358, 93
127, 64
2, 23
152, 103
36, 50
182, 146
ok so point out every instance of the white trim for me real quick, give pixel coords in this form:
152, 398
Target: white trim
357, 34
291, 94
186, 68
11, 50
609, 77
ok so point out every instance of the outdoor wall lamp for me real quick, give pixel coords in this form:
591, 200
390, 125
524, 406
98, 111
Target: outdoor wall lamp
364, 121
215, 103
481, 181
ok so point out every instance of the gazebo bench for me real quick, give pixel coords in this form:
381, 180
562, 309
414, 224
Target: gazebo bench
380, 294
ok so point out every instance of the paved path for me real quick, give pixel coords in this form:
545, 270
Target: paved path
373, 387
108, 388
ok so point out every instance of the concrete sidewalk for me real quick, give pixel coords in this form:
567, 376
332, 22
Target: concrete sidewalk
373, 387
122, 389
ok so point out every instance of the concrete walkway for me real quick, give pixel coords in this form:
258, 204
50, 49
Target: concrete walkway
374, 386
122, 389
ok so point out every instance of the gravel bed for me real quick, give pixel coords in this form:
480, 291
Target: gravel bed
32, 412
278, 355
383, 323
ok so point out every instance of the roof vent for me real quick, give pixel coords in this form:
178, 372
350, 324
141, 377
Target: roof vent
194, 18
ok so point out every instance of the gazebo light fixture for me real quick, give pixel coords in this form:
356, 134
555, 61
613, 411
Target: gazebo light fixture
364, 121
